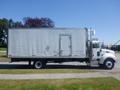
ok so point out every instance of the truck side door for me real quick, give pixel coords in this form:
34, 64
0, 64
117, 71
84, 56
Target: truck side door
65, 45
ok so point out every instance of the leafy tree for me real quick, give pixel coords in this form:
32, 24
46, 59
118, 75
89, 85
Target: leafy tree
38, 22
4, 25
47, 22
17, 24
3, 31
11, 23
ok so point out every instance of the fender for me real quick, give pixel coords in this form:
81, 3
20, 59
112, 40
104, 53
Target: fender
105, 56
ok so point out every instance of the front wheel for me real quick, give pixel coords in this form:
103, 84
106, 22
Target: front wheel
109, 63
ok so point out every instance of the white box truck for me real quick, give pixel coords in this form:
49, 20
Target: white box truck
45, 45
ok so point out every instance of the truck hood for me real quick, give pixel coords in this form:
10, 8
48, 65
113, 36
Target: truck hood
108, 51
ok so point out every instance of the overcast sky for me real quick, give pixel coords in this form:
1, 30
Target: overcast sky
101, 15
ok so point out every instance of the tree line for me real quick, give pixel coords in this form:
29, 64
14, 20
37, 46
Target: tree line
115, 47
28, 22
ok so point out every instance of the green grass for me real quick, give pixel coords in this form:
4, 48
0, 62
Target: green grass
3, 57
61, 84
3, 49
3, 54
41, 71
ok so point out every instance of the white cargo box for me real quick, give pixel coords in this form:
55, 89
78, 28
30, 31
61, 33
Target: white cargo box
47, 43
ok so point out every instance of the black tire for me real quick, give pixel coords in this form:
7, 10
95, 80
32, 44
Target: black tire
109, 63
39, 64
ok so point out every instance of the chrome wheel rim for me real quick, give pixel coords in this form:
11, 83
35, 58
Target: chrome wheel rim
109, 64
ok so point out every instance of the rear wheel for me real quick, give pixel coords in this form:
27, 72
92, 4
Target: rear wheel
39, 64
109, 63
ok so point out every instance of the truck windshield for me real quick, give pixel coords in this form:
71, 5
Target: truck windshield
96, 45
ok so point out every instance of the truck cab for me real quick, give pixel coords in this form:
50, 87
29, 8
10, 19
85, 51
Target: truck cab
104, 57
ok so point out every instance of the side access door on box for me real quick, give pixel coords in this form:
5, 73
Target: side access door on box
65, 45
